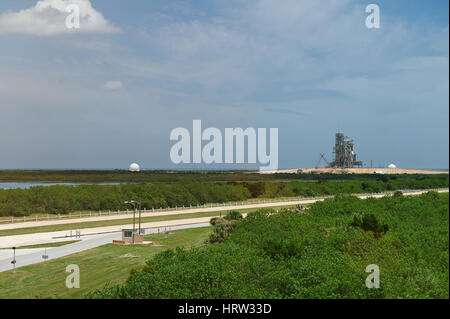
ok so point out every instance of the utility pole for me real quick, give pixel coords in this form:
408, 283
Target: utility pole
133, 202
134, 223
140, 211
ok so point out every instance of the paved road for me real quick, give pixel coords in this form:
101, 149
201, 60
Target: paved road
33, 256
32, 239
18, 225
94, 237
29, 224
26, 257
28, 239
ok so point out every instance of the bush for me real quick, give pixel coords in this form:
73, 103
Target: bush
368, 222
286, 255
233, 215
222, 230
215, 220
398, 194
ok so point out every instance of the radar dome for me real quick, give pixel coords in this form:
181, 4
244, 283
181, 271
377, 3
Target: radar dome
134, 168
392, 166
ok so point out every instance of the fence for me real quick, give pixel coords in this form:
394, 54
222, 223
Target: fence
161, 209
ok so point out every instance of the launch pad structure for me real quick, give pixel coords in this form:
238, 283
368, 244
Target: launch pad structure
346, 162
344, 154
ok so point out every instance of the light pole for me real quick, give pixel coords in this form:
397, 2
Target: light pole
139, 203
133, 202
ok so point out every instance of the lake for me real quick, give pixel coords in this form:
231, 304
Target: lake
13, 185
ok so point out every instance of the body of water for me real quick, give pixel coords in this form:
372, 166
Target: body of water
24, 185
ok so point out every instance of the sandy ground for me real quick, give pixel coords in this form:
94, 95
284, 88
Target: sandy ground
364, 170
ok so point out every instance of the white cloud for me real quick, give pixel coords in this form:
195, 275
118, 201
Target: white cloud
113, 85
48, 18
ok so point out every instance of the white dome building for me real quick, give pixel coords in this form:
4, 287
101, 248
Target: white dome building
134, 168
392, 165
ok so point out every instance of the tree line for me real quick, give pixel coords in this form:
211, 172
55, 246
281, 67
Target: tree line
63, 199
172, 176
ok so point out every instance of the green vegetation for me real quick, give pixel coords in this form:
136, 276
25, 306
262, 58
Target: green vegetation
321, 252
109, 263
224, 226
161, 176
46, 245
369, 222
124, 176
62, 199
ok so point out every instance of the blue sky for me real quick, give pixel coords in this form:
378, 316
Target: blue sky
111, 94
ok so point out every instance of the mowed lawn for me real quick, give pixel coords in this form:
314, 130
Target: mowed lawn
98, 266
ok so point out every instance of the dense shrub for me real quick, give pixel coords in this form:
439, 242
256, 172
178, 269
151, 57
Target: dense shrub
314, 255
398, 193
368, 222
223, 227
233, 215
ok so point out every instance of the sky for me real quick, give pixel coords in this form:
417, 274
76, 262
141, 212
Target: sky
109, 94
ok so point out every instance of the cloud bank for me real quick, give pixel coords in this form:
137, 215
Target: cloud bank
305, 67
48, 18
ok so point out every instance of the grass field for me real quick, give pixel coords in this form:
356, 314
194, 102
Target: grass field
78, 226
98, 266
